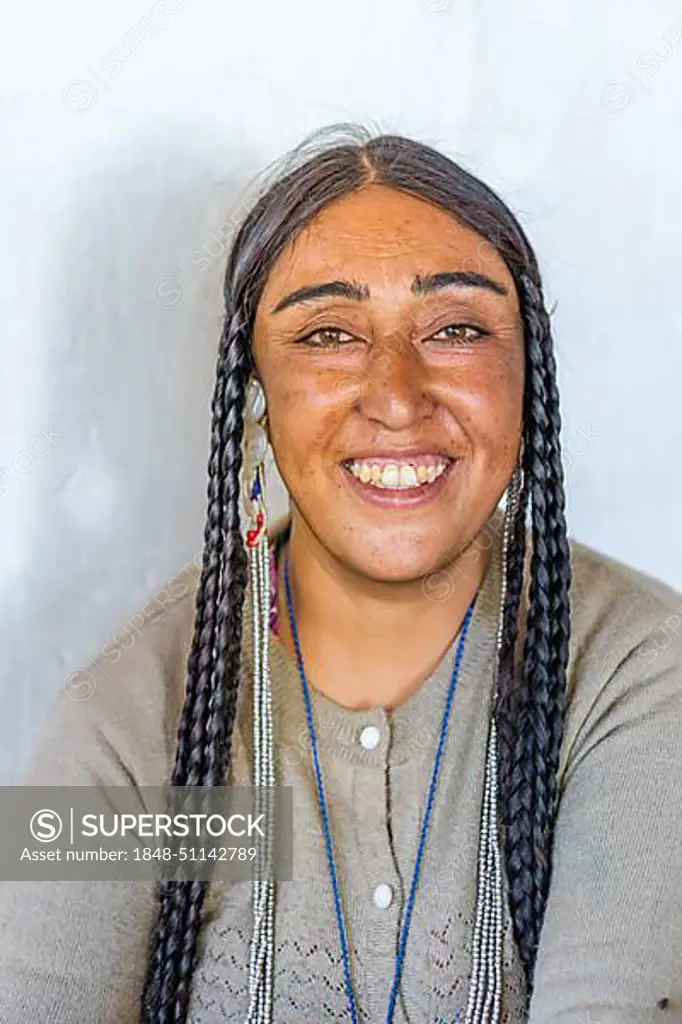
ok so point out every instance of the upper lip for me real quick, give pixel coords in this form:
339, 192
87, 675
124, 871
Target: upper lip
397, 454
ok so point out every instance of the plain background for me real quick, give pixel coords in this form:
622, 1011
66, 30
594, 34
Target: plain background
130, 132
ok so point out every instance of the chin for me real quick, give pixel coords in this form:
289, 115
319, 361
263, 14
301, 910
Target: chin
400, 556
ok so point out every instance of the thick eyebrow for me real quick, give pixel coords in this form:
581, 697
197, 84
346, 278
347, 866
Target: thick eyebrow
421, 285
344, 289
460, 279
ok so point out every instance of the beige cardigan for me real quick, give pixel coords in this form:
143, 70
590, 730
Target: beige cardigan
611, 947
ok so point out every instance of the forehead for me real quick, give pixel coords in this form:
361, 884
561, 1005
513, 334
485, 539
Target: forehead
382, 236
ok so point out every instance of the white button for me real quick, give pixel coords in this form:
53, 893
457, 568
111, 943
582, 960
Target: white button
369, 737
383, 896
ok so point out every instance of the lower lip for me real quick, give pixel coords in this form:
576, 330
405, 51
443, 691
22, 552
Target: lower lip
407, 497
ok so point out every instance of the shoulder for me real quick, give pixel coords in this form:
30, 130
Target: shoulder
611, 936
625, 645
114, 720
615, 607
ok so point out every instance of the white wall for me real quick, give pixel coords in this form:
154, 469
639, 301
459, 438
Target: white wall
116, 171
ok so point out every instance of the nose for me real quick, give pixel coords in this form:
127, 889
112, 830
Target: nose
394, 389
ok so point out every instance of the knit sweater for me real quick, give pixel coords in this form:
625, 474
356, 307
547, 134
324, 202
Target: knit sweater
611, 946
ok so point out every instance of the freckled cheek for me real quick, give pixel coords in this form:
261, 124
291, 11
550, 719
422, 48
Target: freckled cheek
303, 419
491, 411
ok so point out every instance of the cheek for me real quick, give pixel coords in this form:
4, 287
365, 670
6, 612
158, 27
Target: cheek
491, 405
303, 417
505, 406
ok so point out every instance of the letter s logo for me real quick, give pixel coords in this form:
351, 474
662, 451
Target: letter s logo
46, 825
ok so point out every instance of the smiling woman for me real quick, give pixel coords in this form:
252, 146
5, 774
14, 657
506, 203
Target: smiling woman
485, 760
438, 360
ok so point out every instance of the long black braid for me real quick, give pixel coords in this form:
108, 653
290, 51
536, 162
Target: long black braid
531, 714
531, 689
208, 714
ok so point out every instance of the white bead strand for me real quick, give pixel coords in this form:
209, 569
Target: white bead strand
485, 988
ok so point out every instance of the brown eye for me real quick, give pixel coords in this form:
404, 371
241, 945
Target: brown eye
326, 337
460, 334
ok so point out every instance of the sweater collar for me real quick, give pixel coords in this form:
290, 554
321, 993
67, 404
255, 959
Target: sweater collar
408, 728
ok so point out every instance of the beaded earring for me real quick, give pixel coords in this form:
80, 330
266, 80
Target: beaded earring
261, 957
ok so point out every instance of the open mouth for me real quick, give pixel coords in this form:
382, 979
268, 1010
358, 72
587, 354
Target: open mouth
399, 480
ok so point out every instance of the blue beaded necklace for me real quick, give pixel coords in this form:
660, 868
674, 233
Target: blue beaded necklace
352, 1006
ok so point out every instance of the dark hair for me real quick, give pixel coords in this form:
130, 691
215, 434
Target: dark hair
530, 707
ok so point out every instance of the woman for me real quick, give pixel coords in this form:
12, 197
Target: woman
477, 716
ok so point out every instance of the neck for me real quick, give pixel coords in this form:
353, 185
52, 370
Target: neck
370, 644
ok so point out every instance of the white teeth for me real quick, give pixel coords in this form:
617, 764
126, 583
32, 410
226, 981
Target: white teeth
408, 476
396, 476
390, 475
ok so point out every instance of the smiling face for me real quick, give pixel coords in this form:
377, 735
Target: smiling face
389, 343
